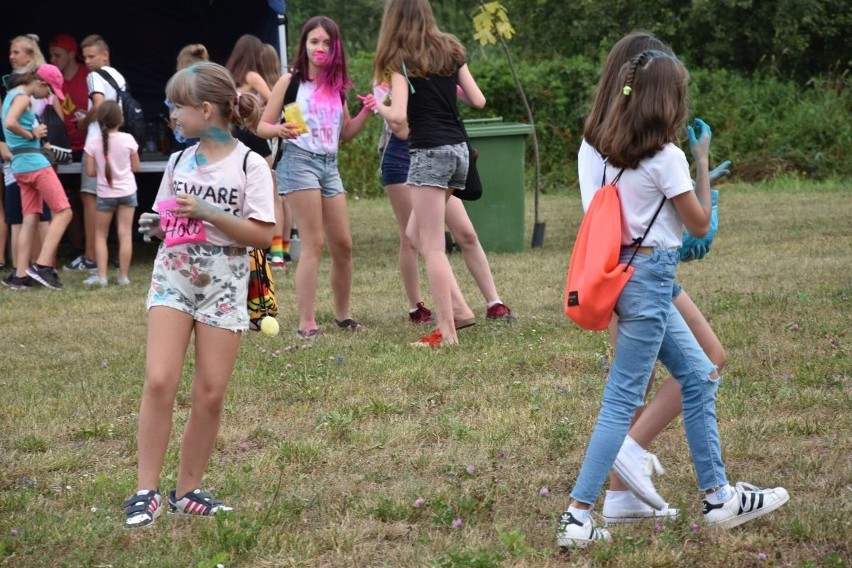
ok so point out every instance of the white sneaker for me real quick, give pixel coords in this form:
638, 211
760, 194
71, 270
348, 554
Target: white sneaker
748, 503
574, 533
636, 475
622, 507
123, 281
95, 280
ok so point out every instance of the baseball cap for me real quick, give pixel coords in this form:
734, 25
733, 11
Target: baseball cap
64, 41
51, 75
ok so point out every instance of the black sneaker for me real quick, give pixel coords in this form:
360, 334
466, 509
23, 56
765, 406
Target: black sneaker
196, 502
44, 275
143, 508
80, 263
14, 283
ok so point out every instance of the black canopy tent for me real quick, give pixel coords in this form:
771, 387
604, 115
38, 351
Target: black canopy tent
145, 36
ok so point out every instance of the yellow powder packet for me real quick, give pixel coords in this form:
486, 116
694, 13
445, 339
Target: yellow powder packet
293, 114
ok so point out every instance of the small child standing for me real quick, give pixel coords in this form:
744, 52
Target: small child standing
645, 111
198, 285
112, 157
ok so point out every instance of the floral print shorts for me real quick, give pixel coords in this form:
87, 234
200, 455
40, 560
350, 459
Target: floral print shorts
208, 282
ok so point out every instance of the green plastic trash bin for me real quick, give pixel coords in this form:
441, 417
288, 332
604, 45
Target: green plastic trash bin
498, 215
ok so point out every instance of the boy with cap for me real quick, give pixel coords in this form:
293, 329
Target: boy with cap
66, 57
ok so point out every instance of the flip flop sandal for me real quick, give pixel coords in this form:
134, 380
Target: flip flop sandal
463, 323
309, 333
350, 324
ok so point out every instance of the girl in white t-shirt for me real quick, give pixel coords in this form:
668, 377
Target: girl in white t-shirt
644, 114
216, 199
112, 157
308, 175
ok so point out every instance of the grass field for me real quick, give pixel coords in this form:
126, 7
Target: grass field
326, 446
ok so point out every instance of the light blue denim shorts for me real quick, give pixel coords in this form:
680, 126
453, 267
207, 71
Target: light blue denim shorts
443, 166
110, 204
300, 169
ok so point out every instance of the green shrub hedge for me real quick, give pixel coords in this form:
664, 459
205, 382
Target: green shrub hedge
765, 125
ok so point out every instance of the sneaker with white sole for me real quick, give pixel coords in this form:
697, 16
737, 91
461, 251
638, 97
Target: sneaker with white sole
573, 533
123, 281
748, 502
95, 280
143, 508
44, 275
636, 475
196, 502
623, 507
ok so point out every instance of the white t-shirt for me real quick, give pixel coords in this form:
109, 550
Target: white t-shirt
324, 117
248, 195
640, 191
121, 147
97, 84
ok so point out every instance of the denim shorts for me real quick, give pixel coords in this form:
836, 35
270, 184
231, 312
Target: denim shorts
208, 282
443, 166
13, 213
300, 169
88, 184
395, 162
676, 289
110, 204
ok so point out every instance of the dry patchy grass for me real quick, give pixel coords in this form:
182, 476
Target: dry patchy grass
325, 446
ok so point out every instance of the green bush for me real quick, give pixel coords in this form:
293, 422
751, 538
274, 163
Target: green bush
764, 124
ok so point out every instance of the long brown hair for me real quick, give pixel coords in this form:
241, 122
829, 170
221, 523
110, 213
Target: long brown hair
410, 35
245, 57
648, 111
270, 64
623, 51
109, 117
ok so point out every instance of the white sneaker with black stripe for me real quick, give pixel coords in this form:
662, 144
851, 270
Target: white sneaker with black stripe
573, 533
748, 502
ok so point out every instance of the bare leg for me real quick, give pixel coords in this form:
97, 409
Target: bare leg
426, 228
102, 223
400, 200
336, 224
215, 355
55, 230
4, 230
168, 338
25, 238
124, 230
465, 236
90, 210
308, 209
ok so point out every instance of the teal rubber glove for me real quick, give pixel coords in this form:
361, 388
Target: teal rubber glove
694, 248
720, 171
699, 139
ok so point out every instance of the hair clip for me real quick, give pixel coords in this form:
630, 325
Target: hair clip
627, 90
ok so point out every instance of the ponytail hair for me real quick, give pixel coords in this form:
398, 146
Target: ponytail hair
647, 110
209, 82
109, 118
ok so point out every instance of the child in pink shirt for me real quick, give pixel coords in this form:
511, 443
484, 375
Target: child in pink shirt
112, 157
